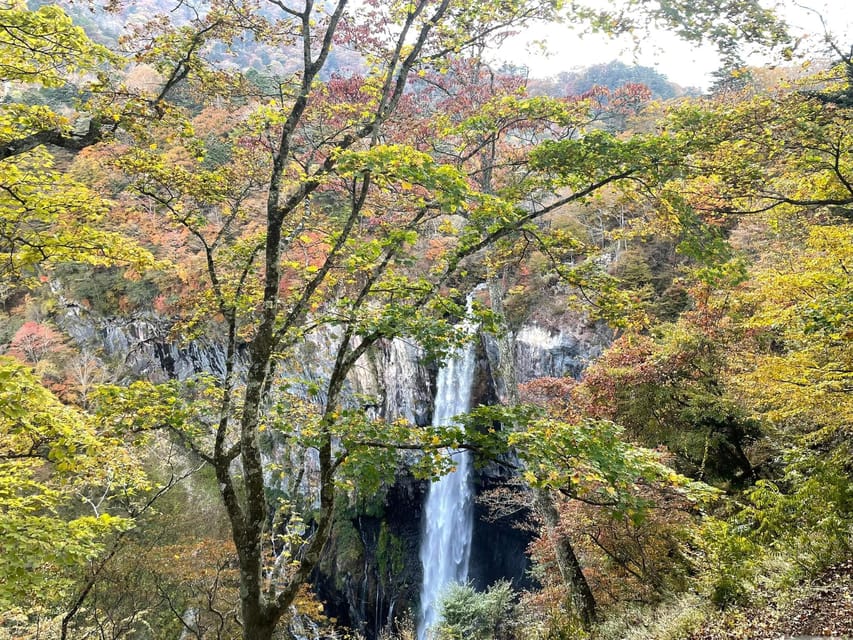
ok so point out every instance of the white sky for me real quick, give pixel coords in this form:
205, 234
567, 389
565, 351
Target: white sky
683, 63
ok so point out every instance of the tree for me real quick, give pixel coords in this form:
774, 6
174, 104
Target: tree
670, 392
787, 171
327, 257
762, 206
615, 74
44, 214
52, 457
41, 47
33, 342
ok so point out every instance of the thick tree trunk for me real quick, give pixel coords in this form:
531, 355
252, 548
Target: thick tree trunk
255, 613
582, 600
257, 625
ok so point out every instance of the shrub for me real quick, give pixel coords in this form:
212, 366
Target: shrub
470, 615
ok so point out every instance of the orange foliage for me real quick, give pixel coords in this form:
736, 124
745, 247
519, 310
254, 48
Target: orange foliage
34, 341
553, 393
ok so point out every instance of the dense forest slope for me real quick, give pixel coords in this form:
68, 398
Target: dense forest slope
236, 243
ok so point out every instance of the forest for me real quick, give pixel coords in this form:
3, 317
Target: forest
275, 273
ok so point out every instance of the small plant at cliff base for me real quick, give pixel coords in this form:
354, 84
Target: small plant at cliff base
404, 628
466, 613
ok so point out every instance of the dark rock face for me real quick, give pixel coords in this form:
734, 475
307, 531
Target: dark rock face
483, 391
371, 573
499, 547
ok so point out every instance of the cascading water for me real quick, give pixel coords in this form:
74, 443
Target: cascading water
446, 544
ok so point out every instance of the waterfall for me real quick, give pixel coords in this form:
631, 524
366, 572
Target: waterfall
446, 543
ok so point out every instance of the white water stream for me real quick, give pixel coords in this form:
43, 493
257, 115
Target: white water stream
446, 543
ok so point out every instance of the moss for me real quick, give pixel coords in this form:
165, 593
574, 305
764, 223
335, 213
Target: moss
347, 556
362, 504
390, 554
349, 546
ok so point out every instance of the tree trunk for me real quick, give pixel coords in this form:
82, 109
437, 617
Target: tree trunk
581, 599
257, 625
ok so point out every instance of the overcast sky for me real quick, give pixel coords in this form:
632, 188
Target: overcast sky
685, 64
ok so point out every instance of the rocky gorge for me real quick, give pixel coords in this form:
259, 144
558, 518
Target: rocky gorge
371, 572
